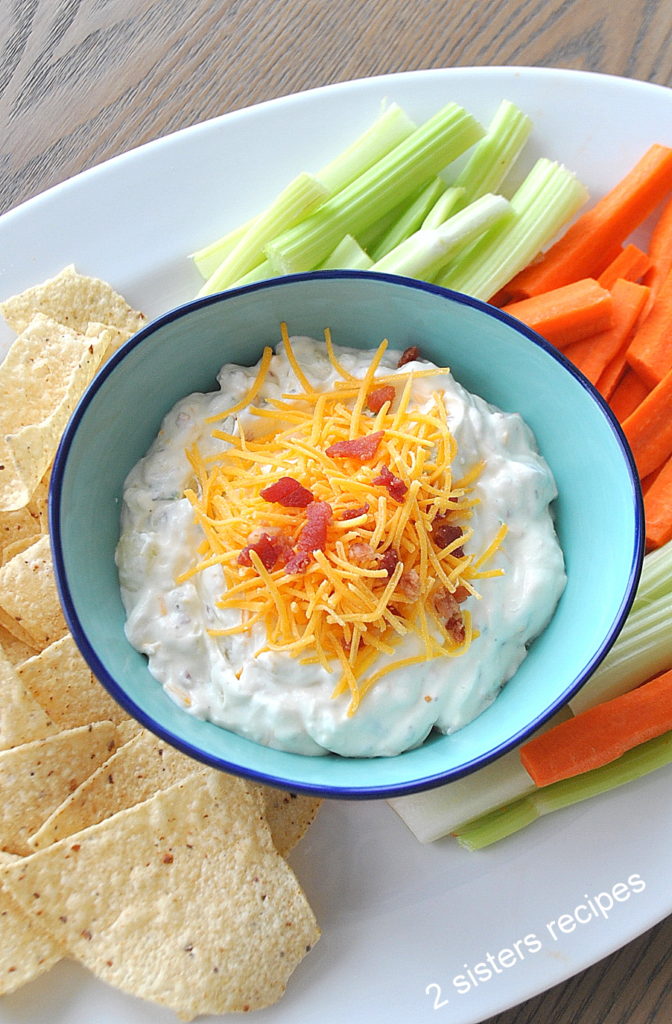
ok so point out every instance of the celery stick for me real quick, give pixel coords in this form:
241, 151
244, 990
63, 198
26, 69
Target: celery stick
387, 131
396, 176
634, 764
428, 248
445, 206
210, 256
643, 649
644, 645
545, 201
403, 223
495, 154
437, 812
348, 255
656, 578
296, 201
259, 273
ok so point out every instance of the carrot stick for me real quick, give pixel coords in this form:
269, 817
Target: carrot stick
660, 252
593, 354
601, 734
626, 395
567, 314
631, 264
650, 351
580, 252
612, 375
658, 507
649, 428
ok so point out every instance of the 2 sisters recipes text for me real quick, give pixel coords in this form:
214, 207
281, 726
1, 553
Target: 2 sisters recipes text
338, 550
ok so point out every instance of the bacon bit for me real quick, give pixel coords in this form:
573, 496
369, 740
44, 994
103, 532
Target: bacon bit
376, 400
461, 594
444, 533
449, 610
313, 536
409, 355
388, 560
396, 487
361, 448
298, 562
354, 513
268, 549
288, 492
409, 584
359, 552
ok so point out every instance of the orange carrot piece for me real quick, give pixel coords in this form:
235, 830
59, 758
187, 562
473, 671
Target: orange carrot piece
593, 354
658, 507
650, 351
581, 250
660, 252
601, 734
649, 428
629, 391
631, 264
567, 314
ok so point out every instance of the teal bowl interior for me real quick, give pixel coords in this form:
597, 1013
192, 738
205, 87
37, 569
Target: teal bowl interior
598, 510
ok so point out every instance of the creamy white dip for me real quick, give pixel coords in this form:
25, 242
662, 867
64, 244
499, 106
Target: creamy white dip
273, 698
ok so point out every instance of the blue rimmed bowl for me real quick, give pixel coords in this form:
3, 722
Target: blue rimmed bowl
599, 514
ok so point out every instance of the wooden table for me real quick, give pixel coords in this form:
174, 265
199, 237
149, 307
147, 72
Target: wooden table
84, 80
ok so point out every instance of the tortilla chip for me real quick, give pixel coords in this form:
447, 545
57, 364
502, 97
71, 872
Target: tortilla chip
45, 373
289, 816
17, 527
135, 772
10, 627
26, 950
15, 650
22, 719
63, 684
38, 506
36, 777
181, 899
139, 769
74, 300
29, 597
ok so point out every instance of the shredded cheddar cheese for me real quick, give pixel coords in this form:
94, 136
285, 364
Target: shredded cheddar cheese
392, 558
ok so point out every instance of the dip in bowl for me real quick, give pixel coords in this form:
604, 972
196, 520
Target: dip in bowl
597, 516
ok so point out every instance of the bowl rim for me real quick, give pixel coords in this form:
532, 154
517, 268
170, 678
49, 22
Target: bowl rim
370, 791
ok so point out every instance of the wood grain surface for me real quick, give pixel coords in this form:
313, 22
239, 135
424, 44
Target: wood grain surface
84, 80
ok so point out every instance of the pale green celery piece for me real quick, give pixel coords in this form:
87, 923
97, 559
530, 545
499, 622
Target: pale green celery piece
371, 237
261, 272
348, 255
542, 205
387, 131
210, 256
634, 764
404, 170
435, 813
495, 154
643, 650
296, 201
407, 220
445, 206
644, 645
656, 578
427, 249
